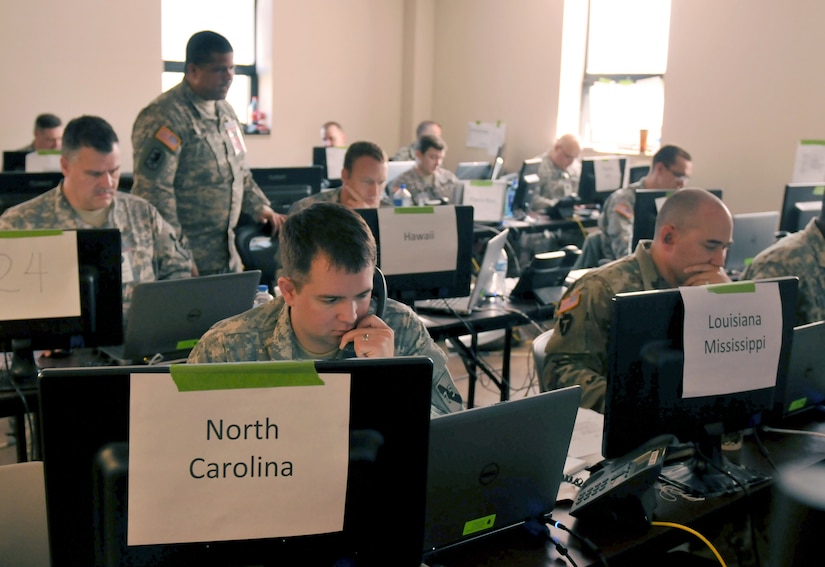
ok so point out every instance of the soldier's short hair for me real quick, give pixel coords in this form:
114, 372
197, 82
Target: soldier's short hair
329, 229
88, 132
425, 125
202, 45
360, 149
424, 143
667, 156
47, 121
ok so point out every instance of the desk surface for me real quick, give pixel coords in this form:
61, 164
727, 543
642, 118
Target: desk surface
517, 548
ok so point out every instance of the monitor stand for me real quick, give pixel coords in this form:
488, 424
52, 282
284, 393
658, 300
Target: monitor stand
702, 474
23, 371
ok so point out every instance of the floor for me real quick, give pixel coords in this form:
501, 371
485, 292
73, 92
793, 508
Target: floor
524, 381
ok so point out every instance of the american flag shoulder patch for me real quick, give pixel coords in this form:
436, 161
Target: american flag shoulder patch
168, 138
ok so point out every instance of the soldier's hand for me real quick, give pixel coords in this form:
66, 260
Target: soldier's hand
371, 338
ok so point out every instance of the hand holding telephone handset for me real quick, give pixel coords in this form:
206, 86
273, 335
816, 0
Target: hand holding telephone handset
371, 338
622, 490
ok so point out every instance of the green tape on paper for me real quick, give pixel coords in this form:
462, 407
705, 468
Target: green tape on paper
482, 182
240, 375
736, 287
29, 233
414, 210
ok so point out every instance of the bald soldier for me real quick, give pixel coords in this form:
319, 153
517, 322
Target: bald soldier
558, 173
694, 230
800, 254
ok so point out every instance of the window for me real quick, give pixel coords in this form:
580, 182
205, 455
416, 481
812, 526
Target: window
623, 89
234, 20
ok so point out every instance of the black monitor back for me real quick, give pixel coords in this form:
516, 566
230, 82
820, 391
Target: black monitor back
645, 212
14, 161
17, 187
588, 192
285, 185
796, 193
528, 184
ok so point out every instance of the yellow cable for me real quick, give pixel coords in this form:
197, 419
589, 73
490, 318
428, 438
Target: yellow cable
694, 532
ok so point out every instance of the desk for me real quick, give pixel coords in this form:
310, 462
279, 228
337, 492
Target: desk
502, 316
517, 548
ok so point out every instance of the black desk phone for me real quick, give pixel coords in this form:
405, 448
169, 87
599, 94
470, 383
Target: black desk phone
622, 490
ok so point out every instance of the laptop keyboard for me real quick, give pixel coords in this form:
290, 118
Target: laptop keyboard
444, 304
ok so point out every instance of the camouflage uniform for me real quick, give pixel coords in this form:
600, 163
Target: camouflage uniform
799, 254
407, 153
555, 183
265, 333
577, 351
150, 248
187, 165
443, 185
616, 221
331, 196
29, 148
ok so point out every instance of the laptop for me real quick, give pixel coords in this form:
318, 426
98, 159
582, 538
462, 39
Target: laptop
168, 317
492, 468
467, 304
805, 386
752, 233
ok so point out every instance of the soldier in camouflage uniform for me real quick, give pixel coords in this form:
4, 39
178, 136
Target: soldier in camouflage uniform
329, 256
425, 128
88, 198
428, 180
671, 168
363, 179
558, 174
693, 232
190, 158
800, 254
48, 133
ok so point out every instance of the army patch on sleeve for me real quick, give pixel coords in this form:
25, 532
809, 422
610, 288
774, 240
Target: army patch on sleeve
154, 159
624, 210
168, 138
569, 302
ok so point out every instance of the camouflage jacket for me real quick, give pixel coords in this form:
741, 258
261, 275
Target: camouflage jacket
554, 183
407, 153
577, 351
616, 221
265, 333
150, 249
193, 169
443, 185
331, 196
799, 254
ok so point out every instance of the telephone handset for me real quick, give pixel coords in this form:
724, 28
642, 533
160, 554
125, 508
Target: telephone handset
623, 489
379, 295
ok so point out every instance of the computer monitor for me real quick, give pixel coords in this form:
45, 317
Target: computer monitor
645, 381
101, 316
646, 209
474, 170
411, 286
285, 185
396, 168
528, 184
86, 431
796, 193
595, 190
331, 159
14, 161
17, 187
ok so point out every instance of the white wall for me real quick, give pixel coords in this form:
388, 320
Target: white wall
743, 80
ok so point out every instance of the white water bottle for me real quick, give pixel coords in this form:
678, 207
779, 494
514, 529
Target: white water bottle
498, 287
402, 197
262, 297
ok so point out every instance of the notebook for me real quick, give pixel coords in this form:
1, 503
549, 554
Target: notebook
492, 468
168, 317
752, 233
465, 305
805, 386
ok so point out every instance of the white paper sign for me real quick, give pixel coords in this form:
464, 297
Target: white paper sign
335, 161
216, 465
608, 173
489, 135
38, 275
809, 166
488, 199
42, 161
732, 340
415, 240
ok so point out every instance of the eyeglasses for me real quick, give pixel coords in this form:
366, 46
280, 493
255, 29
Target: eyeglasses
678, 176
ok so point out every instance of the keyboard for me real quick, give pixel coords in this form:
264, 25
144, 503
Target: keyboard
445, 304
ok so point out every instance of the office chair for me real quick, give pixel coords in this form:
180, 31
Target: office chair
258, 251
539, 344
